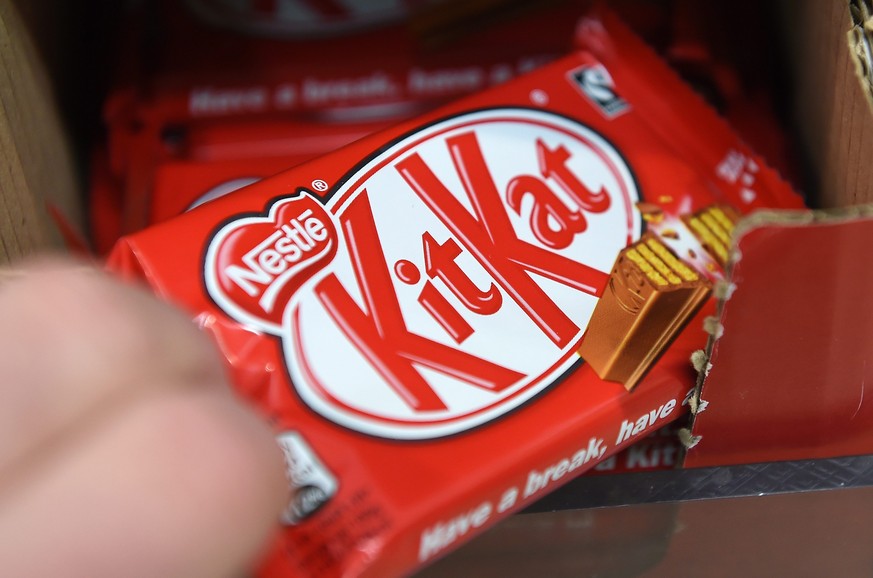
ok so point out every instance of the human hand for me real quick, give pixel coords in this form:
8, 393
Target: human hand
123, 451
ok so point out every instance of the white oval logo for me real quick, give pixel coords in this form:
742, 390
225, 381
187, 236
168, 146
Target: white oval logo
469, 258
473, 255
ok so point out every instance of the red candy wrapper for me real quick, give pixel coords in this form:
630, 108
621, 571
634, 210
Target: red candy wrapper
409, 310
213, 90
221, 158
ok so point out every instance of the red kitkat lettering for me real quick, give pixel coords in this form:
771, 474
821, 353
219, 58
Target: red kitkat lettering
491, 239
546, 205
443, 313
440, 263
381, 334
553, 164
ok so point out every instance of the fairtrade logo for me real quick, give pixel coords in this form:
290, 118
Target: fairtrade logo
597, 85
446, 282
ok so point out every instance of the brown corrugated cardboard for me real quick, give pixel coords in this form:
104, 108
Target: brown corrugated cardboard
860, 38
35, 162
831, 113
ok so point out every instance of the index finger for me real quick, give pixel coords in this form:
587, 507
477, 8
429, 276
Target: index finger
75, 343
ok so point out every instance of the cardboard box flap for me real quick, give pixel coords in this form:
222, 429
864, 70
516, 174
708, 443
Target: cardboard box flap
787, 365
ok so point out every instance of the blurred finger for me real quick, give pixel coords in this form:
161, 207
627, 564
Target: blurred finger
183, 483
75, 343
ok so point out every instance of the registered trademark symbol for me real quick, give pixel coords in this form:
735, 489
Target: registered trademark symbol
539, 97
319, 185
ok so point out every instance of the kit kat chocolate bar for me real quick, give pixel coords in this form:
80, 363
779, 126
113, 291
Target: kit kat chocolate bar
650, 297
408, 311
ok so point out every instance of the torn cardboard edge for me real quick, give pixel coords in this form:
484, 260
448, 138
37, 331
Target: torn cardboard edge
860, 38
702, 360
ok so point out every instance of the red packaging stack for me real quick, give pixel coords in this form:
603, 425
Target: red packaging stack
409, 310
201, 85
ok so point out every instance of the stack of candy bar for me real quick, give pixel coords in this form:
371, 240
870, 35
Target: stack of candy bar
449, 318
210, 95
